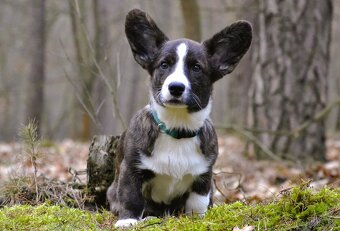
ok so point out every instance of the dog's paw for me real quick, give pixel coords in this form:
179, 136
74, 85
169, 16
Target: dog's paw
125, 223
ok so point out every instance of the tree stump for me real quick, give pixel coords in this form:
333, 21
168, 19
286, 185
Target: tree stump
100, 167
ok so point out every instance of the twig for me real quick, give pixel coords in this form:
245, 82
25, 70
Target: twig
75, 174
89, 110
86, 108
105, 79
219, 190
254, 140
296, 132
320, 115
247, 132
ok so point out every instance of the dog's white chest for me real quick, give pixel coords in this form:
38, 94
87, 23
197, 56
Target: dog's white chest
164, 188
176, 157
176, 163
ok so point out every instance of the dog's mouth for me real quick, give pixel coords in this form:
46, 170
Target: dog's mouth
174, 103
170, 102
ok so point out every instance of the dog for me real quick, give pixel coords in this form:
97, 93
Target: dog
165, 157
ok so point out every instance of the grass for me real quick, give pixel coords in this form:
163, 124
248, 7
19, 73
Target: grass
35, 189
299, 208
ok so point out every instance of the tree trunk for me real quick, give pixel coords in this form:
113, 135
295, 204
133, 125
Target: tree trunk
35, 86
100, 166
102, 56
192, 19
84, 58
290, 61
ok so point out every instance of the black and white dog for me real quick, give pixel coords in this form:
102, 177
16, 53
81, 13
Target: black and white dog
165, 159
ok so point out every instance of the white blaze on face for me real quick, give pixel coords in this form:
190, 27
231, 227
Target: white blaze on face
178, 74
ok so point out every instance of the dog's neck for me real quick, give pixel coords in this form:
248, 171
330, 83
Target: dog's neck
180, 118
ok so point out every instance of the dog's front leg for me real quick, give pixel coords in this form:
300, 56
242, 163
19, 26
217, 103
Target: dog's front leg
130, 197
201, 195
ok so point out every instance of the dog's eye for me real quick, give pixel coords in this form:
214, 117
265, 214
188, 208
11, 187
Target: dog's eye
164, 65
196, 68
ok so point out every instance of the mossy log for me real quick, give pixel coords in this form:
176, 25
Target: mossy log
100, 167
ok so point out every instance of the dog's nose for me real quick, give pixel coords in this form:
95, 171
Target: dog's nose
176, 89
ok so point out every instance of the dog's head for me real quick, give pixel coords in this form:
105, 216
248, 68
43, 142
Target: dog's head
183, 71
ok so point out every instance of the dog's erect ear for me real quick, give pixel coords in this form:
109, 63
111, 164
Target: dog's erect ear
144, 36
226, 48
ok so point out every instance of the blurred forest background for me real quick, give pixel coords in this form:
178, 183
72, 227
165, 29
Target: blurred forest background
67, 64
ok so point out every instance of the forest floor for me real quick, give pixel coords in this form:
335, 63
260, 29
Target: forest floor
260, 193
299, 208
236, 177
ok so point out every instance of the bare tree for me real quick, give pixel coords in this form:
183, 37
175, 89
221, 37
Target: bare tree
85, 66
35, 86
102, 50
106, 81
192, 19
290, 61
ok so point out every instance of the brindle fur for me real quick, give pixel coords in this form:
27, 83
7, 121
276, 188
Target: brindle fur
217, 57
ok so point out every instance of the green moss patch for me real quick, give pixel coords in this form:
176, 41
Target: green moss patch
299, 208
52, 217
296, 209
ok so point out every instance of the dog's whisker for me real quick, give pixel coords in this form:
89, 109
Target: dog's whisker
197, 100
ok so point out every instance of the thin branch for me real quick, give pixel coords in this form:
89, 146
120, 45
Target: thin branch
218, 189
88, 110
247, 133
320, 115
296, 132
256, 141
105, 79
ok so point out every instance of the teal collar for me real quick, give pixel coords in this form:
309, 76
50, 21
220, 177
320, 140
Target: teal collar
175, 132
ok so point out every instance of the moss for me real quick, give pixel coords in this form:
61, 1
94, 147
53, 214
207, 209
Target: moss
47, 217
300, 208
